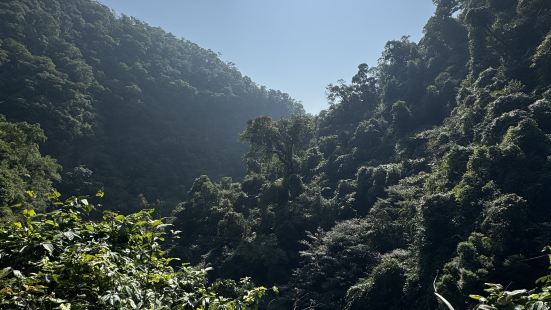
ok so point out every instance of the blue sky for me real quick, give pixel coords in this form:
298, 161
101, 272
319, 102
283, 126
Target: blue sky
296, 46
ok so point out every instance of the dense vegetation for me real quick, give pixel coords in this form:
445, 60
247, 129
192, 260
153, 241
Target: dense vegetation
435, 164
22, 168
67, 254
126, 106
430, 172
59, 260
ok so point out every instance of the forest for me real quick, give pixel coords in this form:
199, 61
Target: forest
140, 171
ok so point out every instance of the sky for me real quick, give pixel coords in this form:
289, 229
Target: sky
296, 46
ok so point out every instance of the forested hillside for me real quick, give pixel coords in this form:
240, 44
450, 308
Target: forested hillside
126, 106
75, 253
432, 166
428, 173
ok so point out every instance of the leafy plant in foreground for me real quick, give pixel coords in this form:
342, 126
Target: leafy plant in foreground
499, 298
60, 259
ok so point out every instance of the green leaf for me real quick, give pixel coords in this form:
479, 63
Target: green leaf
538, 305
70, 234
477, 297
65, 307
515, 293
544, 280
49, 247
54, 195
4, 272
156, 223
29, 212
18, 274
100, 194
162, 226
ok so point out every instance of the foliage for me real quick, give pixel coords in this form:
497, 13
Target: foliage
144, 111
286, 140
433, 164
378, 290
331, 263
428, 172
24, 172
499, 297
60, 259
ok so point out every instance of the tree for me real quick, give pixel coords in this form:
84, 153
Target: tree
332, 262
24, 172
284, 140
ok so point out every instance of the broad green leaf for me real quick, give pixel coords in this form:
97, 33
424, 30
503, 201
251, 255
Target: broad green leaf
18, 274
100, 194
70, 234
49, 247
65, 306
4, 272
54, 195
29, 212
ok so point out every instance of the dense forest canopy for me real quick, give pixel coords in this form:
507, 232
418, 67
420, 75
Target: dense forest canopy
432, 165
126, 106
427, 179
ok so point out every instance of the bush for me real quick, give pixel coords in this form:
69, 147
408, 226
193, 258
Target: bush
62, 260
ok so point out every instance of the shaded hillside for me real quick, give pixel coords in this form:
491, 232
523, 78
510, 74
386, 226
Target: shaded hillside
54, 256
125, 106
433, 164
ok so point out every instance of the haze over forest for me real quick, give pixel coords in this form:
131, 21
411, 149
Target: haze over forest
310, 43
140, 170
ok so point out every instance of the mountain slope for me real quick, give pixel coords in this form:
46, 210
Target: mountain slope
126, 106
435, 164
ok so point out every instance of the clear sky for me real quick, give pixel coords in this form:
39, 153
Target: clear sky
296, 46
